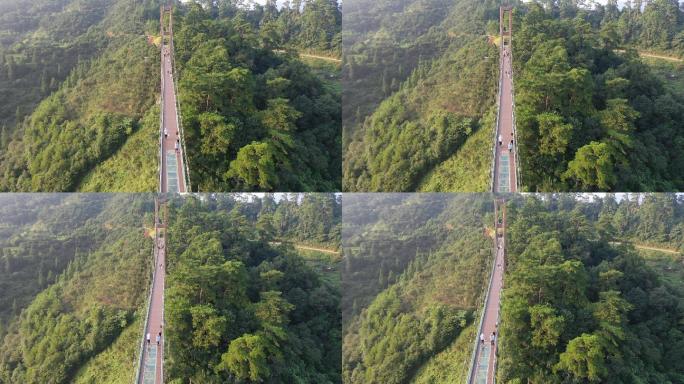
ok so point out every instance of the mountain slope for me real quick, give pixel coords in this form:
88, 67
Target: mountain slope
414, 287
91, 115
78, 272
439, 81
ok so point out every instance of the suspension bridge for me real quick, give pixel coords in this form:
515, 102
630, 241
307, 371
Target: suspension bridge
505, 175
173, 178
173, 165
505, 178
483, 364
151, 355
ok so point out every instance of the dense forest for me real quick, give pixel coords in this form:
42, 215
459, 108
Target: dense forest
590, 118
243, 308
81, 80
655, 25
420, 81
74, 273
592, 115
415, 272
581, 305
255, 118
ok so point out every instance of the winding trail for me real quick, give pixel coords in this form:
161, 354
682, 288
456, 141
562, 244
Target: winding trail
324, 250
649, 248
654, 56
327, 58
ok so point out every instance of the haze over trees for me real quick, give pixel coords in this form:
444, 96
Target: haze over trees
243, 308
419, 84
415, 273
75, 271
96, 120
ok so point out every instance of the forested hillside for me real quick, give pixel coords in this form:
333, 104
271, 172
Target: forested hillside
590, 118
305, 25
420, 82
243, 308
420, 85
578, 306
255, 118
415, 272
94, 108
40, 43
74, 276
81, 79
653, 25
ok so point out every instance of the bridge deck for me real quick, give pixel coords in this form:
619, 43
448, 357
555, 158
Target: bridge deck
172, 166
505, 180
153, 355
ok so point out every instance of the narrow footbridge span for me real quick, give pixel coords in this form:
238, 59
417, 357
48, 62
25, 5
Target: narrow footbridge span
173, 164
151, 357
484, 357
505, 174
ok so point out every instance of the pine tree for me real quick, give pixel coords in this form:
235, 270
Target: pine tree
10, 68
44, 82
4, 137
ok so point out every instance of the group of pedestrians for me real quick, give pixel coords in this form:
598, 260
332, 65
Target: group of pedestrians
510, 144
492, 338
159, 335
507, 56
177, 143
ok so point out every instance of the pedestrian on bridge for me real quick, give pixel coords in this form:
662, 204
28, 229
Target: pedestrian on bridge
159, 338
500, 140
492, 338
166, 133
176, 145
148, 338
510, 146
482, 338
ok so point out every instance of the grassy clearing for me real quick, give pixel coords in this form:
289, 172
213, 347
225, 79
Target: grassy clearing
325, 263
672, 73
670, 266
328, 71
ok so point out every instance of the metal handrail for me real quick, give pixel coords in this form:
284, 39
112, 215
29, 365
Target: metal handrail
496, 127
161, 113
179, 118
515, 131
163, 339
149, 308
484, 309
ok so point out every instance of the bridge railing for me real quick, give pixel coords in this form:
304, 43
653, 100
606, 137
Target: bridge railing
492, 177
179, 117
473, 359
141, 353
161, 118
163, 339
515, 130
